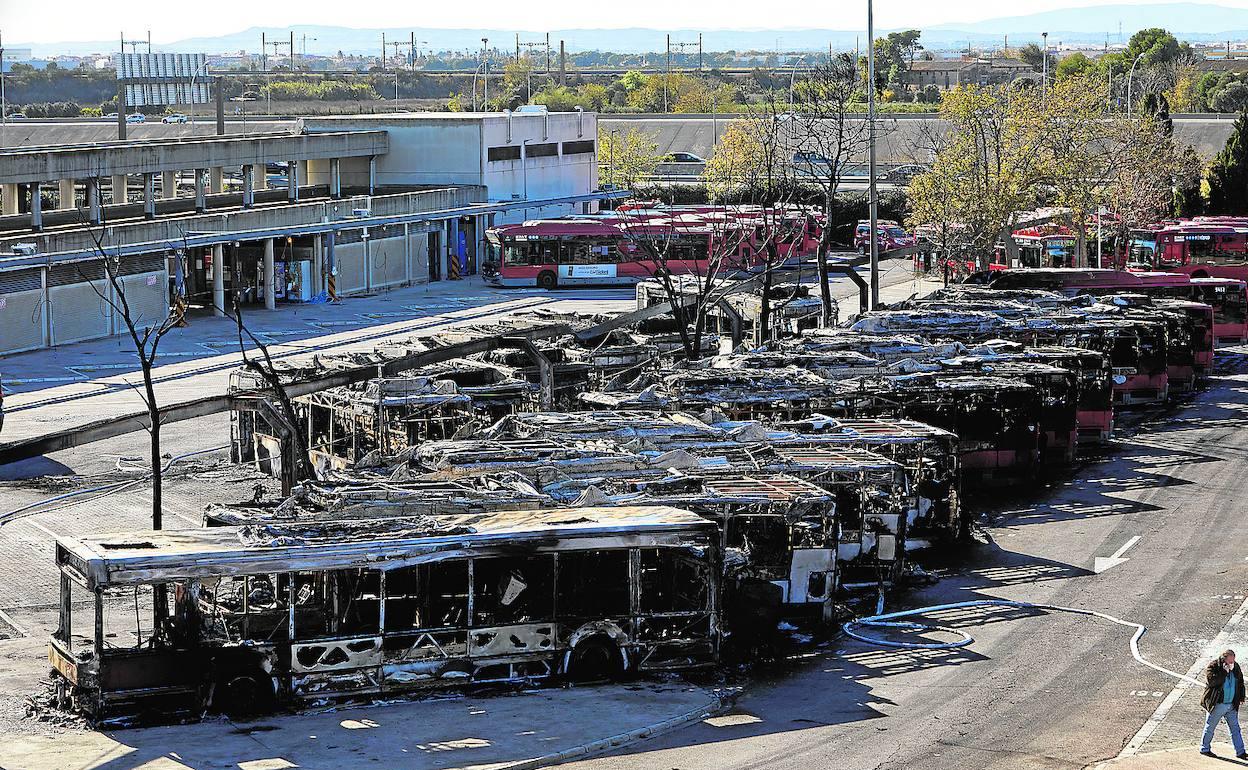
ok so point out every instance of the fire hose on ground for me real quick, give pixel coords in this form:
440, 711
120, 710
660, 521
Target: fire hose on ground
894, 620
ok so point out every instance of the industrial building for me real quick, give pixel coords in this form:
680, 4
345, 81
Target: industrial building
314, 209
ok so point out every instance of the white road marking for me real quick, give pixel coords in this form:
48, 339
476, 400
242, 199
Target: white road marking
1144, 733
1102, 563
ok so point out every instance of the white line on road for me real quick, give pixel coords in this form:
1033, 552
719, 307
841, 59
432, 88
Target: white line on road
1102, 563
1137, 742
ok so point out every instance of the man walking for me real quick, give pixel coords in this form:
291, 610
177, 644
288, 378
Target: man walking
1224, 691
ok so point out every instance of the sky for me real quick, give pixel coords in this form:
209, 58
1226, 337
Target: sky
32, 21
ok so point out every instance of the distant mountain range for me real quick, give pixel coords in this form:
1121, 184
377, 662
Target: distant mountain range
1195, 22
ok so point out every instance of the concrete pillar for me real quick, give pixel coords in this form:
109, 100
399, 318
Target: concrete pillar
292, 181
36, 207
168, 185
303, 177
335, 178
216, 180
118, 184
201, 201
249, 187
9, 193
65, 197
94, 213
218, 280
372, 173
318, 259
270, 290
260, 176
149, 196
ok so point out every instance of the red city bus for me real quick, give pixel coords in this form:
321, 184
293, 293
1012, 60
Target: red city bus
1044, 246
613, 250
1201, 247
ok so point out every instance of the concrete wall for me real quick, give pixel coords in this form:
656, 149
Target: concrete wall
902, 138
22, 319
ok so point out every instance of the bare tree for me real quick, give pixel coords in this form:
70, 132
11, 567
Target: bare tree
145, 334
827, 138
267, 371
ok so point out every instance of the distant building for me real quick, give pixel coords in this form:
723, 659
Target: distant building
950, 73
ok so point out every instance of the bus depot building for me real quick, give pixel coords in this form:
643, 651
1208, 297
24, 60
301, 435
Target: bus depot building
318, 210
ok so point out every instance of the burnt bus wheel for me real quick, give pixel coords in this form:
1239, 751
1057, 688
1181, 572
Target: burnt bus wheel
244, 696
546, 280
595, 660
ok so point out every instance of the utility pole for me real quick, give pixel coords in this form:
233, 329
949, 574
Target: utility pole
4, 105
292, 49
667, 71
264, 53
1044, 67
871, 194
383, 51
485, 56
699, 52
548, 53
563, 65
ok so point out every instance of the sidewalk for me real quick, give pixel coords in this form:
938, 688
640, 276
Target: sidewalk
525, 730
61, 388
1187, 758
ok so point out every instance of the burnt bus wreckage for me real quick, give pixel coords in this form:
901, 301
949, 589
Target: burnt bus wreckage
572, 497
259, 615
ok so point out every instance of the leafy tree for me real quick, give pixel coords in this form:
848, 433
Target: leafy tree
1230, 98
1074, 65
626, 158
1157, 46
1033, 55
1228, 175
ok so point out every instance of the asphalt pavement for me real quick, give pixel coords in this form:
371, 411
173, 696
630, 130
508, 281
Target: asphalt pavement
1035, 689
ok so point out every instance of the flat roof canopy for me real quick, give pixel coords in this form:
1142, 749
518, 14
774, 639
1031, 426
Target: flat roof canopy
131, 558
83, 161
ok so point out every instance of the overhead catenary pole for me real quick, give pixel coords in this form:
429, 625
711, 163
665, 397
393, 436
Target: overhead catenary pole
4, 105
485, 83
871, 192
383, 51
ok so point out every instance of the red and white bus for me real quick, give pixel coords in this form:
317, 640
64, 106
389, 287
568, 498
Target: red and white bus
629, 247
1212, 246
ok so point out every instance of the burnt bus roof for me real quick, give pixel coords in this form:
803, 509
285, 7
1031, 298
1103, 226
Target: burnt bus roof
132, 558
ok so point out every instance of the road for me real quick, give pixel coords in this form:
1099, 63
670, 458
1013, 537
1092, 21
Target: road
1035, 690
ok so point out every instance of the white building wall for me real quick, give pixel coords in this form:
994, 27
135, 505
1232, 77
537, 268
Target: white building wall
453, 148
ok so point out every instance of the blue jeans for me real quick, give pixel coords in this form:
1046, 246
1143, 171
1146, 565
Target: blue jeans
1220, 712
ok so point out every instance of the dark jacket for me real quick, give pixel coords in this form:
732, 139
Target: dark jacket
1215, 676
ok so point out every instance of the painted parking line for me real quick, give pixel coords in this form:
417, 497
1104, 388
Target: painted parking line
392, 314
34, 380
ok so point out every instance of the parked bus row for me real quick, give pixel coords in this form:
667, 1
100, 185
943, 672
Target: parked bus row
667, 515
633, 243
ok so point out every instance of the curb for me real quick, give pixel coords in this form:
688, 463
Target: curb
710, 709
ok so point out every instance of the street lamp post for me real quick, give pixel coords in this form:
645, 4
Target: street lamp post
872, 204
1044, 66
1131, 80
485, 82
793, 79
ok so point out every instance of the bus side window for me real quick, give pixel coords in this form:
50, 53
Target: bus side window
308, 590
512, 589
357, 602
671, 582
593, 584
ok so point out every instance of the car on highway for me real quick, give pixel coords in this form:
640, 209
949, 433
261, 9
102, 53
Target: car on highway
176, 117
683, 157
111, 116
136, 117
17, 116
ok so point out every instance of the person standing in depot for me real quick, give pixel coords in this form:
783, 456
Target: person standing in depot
1224, 692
